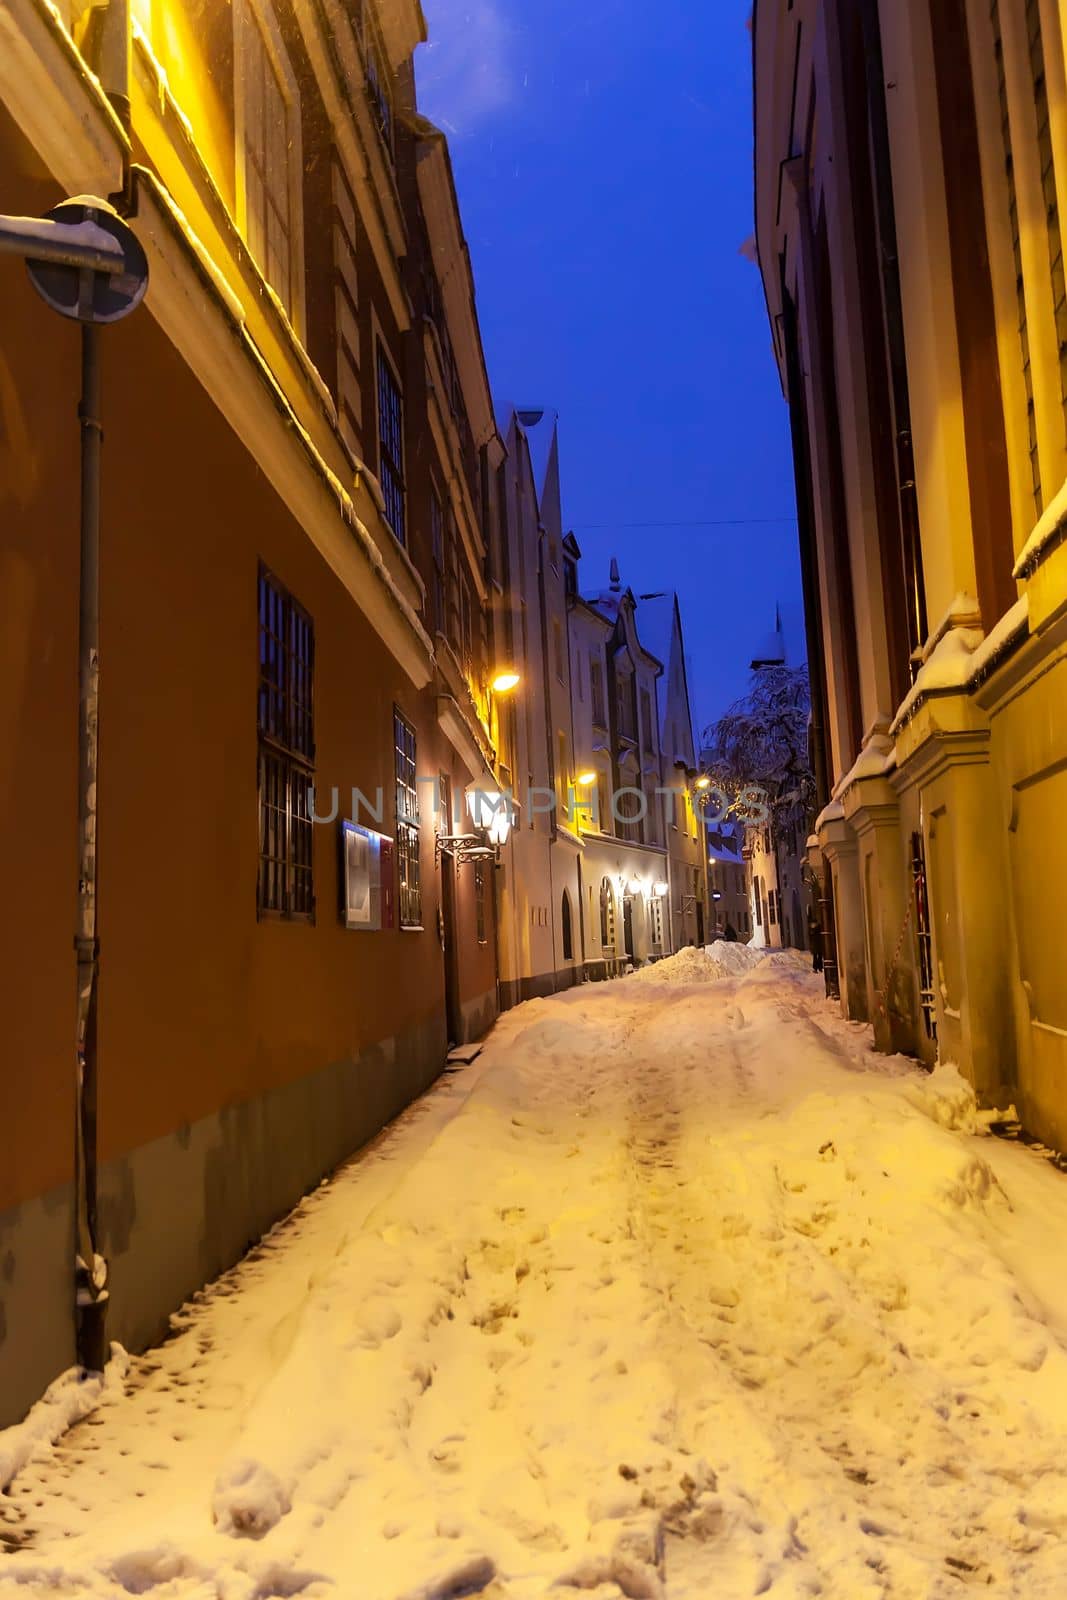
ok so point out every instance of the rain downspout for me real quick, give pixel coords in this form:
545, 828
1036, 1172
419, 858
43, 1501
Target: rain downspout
91, 1294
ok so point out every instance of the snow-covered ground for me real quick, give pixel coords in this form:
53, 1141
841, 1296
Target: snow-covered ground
677, 1291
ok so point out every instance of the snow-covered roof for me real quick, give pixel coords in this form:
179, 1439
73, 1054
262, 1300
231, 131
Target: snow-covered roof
606, 601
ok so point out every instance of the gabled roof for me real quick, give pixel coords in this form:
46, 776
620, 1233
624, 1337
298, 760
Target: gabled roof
660, 623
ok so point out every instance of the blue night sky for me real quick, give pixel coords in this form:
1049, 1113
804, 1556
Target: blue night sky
603, 156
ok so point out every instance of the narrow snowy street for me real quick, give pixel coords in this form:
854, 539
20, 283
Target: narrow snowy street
677, 1291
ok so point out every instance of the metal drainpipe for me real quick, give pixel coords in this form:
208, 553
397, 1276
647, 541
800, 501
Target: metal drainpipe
91, 1294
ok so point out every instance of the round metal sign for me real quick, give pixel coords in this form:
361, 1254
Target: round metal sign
80, 292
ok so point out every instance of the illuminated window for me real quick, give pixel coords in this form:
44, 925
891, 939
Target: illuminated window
407, 822
391, 444
607, 915
269, 160
286, 752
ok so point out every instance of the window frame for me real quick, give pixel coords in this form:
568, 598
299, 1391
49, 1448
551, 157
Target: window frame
408, 823
287, 755
259, 14
383, 360
597, 691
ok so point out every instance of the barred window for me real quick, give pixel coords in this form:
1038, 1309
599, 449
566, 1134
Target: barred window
407, 822
286, 752
391, 444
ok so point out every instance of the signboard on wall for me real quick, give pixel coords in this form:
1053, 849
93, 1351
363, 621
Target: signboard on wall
366, 878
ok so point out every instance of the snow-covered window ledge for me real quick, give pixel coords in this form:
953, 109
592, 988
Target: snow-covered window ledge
1049, 533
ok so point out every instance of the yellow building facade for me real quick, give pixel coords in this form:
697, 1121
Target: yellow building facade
911, 176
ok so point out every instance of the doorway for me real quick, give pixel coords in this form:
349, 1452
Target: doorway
628, 924
453, 1015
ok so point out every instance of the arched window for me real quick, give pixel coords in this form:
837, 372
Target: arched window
568, 934
607, 915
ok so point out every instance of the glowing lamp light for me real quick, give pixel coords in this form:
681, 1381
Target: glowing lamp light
634, 886
659, 891
703, 783
491, 810
505, 681
500, 828
584, 779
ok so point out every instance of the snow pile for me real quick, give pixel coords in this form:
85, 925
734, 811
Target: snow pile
685, 966
73, 1395
735, 958
687, 1295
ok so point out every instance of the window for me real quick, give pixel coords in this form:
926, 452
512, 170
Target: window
378, 94
465, 624
607, 915
1039, 76
656, 923
268, 148
603, 803
648, 732
596, 692
1017, 257
391, 444
652, 827
407, 822
481, 898
437, 546
568, 930
286, 752
629, 819
570, 580
563, 777
452, 584
625, 706
772, 907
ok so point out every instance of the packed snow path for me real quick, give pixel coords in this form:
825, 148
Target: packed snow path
679, 1291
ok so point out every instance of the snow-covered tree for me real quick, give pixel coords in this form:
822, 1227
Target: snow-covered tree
762, 742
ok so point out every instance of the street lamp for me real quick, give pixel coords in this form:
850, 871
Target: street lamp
585, 780
506, 680
87, 264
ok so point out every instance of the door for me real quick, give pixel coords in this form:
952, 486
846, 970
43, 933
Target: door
628, 925
453, 1024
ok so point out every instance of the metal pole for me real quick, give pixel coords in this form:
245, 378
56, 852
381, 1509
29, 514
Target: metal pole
92, 1293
